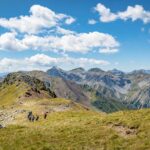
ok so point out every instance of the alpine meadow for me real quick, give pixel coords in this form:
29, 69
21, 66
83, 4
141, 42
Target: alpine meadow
74, 75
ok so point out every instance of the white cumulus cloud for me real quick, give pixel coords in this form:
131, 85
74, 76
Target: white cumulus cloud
41, 30
108, 50
92, 21
70, 20
134, 13
69, 42
105, 13
44, 62
40, 18
8, 41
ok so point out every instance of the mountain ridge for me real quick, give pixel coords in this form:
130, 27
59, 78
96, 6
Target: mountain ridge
111, 90
113, 84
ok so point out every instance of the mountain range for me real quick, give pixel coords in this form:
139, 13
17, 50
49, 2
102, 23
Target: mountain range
131, 90
106, 91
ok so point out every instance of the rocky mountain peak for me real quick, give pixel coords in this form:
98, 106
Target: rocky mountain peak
116, 72
96, 70
78, 70
55, 72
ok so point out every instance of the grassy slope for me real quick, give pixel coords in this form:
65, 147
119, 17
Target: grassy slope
79, 129
10, 93
103, 104
74, 128
106, 105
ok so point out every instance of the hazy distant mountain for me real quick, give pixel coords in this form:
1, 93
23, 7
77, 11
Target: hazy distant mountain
73, 75
95, 78
3, 74
140, 71
99, 85
130, 89
1, 79
117, 72
78, 70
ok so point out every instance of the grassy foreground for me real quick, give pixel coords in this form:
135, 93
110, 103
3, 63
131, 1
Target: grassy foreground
80, 129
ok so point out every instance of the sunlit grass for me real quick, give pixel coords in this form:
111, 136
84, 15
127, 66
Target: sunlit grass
79, 129
11, 93
70, 126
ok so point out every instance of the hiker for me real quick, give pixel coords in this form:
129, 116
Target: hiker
45, 115
31, 116
29, 113
37, 117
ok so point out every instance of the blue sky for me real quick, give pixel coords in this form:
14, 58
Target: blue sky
37, 34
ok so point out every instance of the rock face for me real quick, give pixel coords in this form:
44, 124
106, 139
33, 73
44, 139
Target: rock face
62, 88
138, 95
38, 84
73, 75
31, 86
132, 89
110, 85
74, 90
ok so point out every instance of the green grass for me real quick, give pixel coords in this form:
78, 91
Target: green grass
79, 129
9, 94
103, 104
108, 106
73, 129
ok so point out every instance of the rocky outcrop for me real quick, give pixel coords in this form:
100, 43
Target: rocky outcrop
63, 88
33, 87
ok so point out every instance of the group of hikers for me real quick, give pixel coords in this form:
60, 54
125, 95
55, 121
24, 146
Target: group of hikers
33, 118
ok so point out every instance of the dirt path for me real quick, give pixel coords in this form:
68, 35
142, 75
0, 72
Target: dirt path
124, 131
